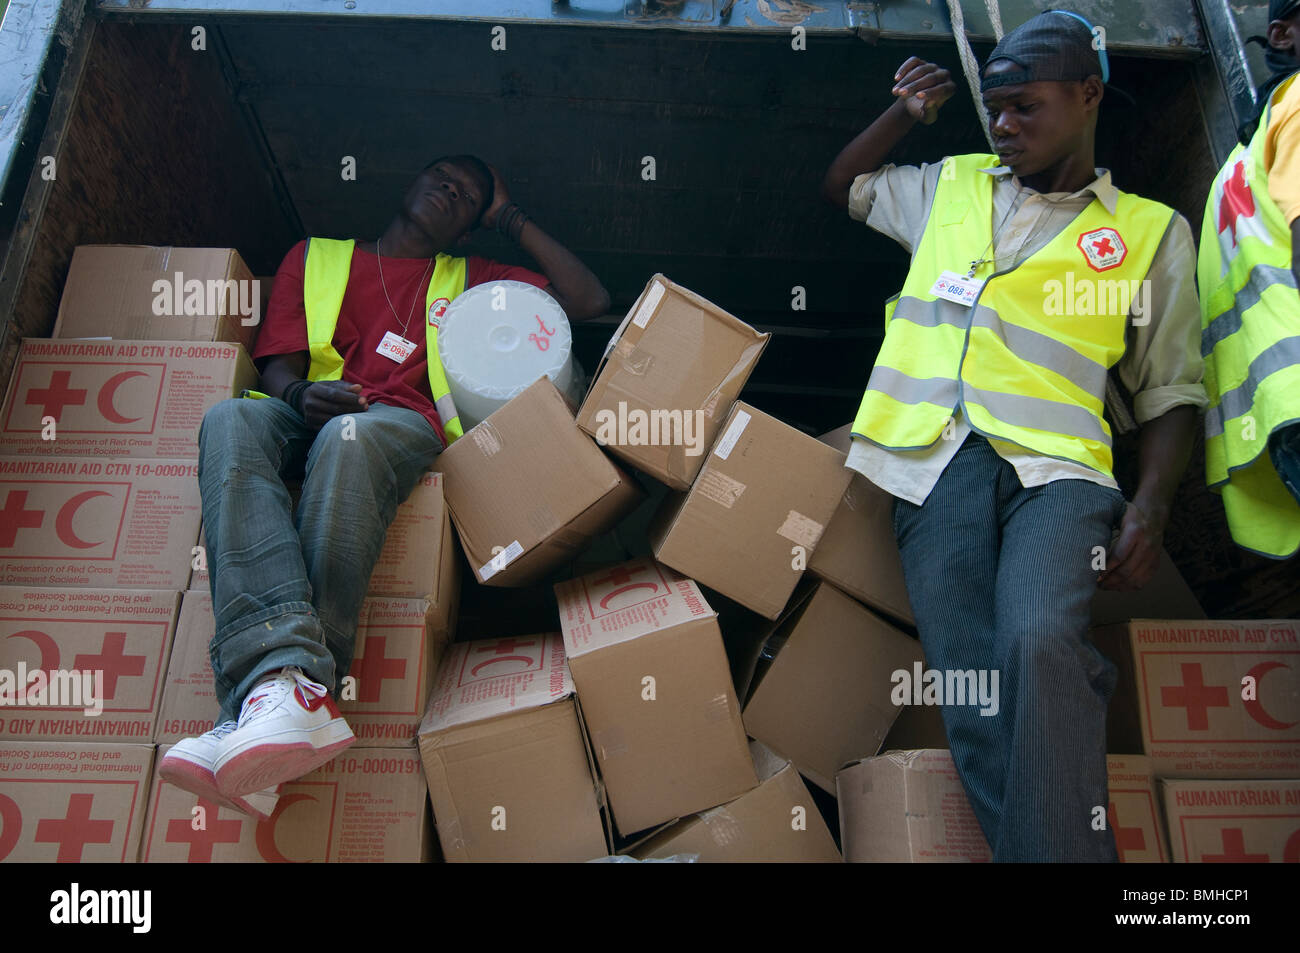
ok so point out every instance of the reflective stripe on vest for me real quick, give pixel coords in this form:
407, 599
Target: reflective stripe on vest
1250, 340
1028, 362
325, 278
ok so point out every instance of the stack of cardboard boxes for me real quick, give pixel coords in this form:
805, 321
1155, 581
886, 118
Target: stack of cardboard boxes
98, 465
674, 703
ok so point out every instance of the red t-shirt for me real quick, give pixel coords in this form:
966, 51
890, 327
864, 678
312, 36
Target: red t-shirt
365, 316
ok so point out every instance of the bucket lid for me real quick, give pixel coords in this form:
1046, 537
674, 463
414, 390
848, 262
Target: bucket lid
498, 338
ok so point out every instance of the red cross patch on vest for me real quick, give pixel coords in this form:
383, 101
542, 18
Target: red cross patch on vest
437, 311
1103, 248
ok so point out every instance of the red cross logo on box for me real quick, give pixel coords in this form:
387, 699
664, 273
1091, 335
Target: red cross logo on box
373, 667
1234, 850
1126, 838
15, 516
1194, 695
56, 396
181, 830
112, 661
75, 829
1102, 248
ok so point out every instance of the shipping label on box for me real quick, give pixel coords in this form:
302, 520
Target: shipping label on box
72, 803
78, 664
366, 805
145, 292
668, 380
656, 692
755, 514
509, 774
1208, 699
117, 398
1233, 822
382, 697
87, 521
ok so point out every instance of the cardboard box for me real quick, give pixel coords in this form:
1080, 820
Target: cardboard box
117, 398
858, 551
647, 657
508, 769
1133, 811
528, 490
366, 805
756, 512
143, 292
72, 803
1166, 596
910, 807
418, 560
668, 379
87, 521
1207, 699
103, 654
777, 822
826, 697
1233, 822
399, 644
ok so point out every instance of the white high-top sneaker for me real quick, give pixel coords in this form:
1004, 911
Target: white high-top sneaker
189, 765
287, 726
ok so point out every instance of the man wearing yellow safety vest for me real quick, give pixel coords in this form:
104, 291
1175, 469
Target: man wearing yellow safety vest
1249, 272
1031, 276
357, 405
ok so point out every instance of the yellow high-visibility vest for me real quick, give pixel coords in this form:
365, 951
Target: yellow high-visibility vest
325, 279
1250, 341
1027, 363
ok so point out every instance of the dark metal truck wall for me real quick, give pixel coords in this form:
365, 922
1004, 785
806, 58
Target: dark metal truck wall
241, 143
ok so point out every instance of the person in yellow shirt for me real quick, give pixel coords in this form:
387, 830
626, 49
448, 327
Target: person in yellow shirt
1249, 273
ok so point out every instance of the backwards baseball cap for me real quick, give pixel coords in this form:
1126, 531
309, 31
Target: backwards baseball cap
1054, 45
1281, 9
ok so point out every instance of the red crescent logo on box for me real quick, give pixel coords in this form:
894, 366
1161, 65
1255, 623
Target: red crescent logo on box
265, 833
1102, 248
437, 310
11, 825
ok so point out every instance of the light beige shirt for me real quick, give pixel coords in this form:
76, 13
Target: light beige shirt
1161, 365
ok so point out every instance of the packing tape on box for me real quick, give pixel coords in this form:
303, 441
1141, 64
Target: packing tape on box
500, 561
637, 361
722, 827
801, 530
487, 438
720, 488
718, 708
609, 743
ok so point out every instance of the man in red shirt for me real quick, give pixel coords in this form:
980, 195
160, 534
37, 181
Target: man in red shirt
287, 586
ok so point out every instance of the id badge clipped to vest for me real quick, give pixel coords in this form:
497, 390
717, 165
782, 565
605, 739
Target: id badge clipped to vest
395, 347
959, 289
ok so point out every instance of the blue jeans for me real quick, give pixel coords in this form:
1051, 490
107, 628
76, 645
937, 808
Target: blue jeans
1001, 578
287, 587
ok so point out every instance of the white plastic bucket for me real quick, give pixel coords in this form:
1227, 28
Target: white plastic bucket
498, 338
